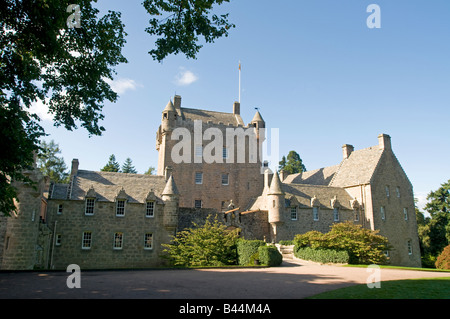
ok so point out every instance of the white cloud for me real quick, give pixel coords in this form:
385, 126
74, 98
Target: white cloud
185, 77
41, 110
122, 85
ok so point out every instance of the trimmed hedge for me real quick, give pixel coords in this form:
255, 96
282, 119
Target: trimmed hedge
443, 260
270, 256
247, 251
322, 255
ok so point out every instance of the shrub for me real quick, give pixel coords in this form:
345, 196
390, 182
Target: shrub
443, 260
246, 249
322, 255
364, 246
207, 245
269, 256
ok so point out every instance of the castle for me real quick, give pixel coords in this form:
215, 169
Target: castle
208, 164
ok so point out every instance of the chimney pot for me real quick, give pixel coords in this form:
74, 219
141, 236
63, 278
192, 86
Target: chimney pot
347, 149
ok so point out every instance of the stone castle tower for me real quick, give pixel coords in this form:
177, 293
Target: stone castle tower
213, 156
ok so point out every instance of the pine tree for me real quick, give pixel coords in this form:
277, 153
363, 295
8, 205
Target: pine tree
50, 164
128, 167
112, 165
293, 164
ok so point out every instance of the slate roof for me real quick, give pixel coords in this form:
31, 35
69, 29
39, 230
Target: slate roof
214, 117
325, 194
107, 186
321, 176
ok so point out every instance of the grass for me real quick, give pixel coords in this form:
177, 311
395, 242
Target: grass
429, 288
400, 267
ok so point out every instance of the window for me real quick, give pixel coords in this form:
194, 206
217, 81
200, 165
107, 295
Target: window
294, 213
86, 240
382, 213
409, 244
405, 213
387, 191
336, 214
397, 189
225, 153
316, 213
118, 241
198, 178
356, 216
224, 179
148, 241
58, 240
60, 209
150, 209
198, 203
89, 209
120, 207
198, 150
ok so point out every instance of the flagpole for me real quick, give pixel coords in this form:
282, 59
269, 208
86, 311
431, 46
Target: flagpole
239, 82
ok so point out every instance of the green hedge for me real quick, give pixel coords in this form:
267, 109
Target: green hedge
270, 256
322, 255
247, 251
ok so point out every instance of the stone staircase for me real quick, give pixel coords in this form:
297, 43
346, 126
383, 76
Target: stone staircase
286, 251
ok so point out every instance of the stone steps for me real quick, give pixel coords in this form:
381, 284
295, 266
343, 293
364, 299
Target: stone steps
287, 251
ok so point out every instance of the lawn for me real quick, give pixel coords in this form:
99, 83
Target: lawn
427, 288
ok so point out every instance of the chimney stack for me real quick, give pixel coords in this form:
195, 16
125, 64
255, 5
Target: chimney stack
347, 149
177, 102
384, 142
74, 169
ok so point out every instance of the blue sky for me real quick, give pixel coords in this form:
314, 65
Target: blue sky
313, 68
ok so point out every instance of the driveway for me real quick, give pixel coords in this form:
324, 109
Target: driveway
293, 280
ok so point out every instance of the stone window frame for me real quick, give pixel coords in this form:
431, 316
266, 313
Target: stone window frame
224, 153
150, 211
387, 190
118, 241
148, 237
59, 209
86, 240
397, 189
227, 181
294, 213
383, 213
58, 240
405, 213
409, 247
315, 213
120, 211
89, 207
336, 214
198, 178
198, 201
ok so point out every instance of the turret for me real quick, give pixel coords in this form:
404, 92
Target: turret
170, 196
169, 115
275, 198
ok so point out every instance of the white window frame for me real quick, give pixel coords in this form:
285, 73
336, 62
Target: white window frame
336, 214
58, 240
315, 213
86, 240
120, 211
227, 181
118, 241
146, 241
150, 209
383, 212
409, 246
294, 215
198, 178
196, 201
89, 206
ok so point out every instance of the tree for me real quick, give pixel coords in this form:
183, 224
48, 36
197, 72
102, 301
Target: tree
128, 167
112, 165
293, 164
207, 245
439, 200
151, 170
50, 164
183, 23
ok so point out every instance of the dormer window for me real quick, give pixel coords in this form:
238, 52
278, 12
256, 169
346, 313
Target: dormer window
89, 206
120, 207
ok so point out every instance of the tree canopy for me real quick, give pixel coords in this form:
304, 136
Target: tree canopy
128, 167
50, 164
112, 165
292, 164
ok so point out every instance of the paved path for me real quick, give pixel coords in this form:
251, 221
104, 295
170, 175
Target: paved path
293, 280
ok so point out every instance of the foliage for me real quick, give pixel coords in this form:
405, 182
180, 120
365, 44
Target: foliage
207, 245
50, 164
439, 200
151, 171
364, 246
443, 260
183, 23
322, 255
247, 251
112, 165
293, 164
67, 69
128, 167
269, 256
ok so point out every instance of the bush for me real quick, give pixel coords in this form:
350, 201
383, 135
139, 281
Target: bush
443, 260
247, 251
364, 246
207, 245
322, 255
269, 256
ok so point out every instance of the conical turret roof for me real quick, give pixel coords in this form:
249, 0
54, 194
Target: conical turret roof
275, 185
169, 107
257, 117
171, 187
